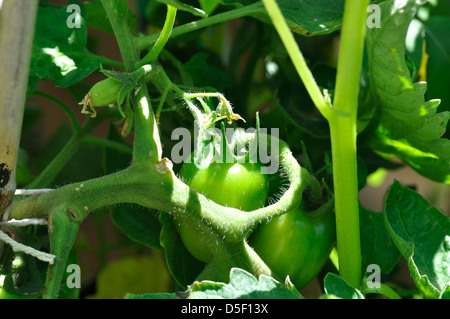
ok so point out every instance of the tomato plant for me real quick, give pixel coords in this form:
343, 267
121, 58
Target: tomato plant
335, 100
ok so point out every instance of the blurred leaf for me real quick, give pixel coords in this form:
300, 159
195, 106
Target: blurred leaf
422, 235
135, 275
59, 52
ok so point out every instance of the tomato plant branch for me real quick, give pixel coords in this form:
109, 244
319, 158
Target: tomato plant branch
163, 37
159, 188
297, 57
155, 185
343, 132
145, 42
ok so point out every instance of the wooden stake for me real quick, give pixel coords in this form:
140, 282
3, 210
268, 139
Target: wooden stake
17, 21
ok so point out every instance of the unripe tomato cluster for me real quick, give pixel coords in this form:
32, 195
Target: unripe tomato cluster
291, 244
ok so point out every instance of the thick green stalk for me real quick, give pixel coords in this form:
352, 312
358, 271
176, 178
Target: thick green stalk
342, 120
343, 130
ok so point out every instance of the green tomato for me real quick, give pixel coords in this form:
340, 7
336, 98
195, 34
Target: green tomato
105, 92
293, 244
237, 185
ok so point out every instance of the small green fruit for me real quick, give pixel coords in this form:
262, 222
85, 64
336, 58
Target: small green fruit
105, 92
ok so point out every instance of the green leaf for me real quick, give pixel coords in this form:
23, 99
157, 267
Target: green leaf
59, 53
185, 7
335, 286
242, 285
183, 266
376, 245
305, 17
409, 126
422, 235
